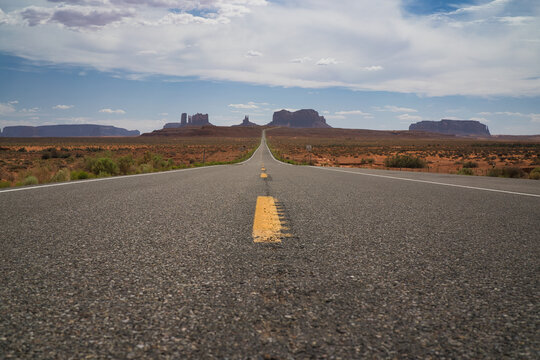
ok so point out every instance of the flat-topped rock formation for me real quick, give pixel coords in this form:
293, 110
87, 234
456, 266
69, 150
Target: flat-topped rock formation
74, 130
191, 120
452, 127
306, 118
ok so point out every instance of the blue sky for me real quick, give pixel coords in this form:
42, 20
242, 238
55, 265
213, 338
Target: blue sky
362, 64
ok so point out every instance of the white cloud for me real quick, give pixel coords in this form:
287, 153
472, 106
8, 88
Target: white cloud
485, 49
13, 102
301, 60
6, 108
63, 107
164, 114
31, 110
253, 53
352, 112
249, 105
373, 68
397, 109
407, 117
327, 61
111, 111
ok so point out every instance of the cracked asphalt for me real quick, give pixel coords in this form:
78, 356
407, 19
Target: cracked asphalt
164, 266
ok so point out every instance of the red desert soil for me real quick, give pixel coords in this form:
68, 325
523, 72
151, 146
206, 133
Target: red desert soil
21, 157
369, 149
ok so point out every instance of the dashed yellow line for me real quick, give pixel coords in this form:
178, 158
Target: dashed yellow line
264, 176
263, 169
267, 223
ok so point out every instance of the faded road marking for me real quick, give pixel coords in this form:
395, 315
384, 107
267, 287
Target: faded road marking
264, 176
266, 223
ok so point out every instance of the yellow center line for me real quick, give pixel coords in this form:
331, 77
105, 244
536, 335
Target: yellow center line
264, 176
263, 169
266, 224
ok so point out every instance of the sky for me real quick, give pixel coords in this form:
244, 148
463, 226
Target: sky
366, 64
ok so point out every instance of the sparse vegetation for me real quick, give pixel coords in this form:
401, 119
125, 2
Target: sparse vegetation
506, 172
29, 180
352, 148
465, 171
470, 164
4, 184
535, 174
79, 175
61, 175
404, 161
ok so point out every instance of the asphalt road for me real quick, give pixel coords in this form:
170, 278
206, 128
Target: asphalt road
164, 266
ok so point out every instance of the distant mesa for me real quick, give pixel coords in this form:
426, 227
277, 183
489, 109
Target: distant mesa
66, 131
191, 120
305, 118
246, 122
452, 127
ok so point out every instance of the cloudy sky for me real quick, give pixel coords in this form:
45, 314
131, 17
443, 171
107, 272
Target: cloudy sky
361, 63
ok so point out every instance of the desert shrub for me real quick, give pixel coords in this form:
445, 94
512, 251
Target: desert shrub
465, 171
158, 162
125, 164
79, 175
29, 180
22, 150
102, 166
4, 184
470, 164
367, 161
535, 174
404, 161
61, 175
146, 168
507, 172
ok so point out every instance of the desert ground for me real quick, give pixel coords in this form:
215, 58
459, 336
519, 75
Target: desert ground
438, 153
27, 161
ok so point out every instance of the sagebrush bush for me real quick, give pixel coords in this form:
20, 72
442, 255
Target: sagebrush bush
61, 175
125, 164
4, 184
146, 168
465, 171
535, 174
102, 165
507, 172
470, 164
79, 175
30, 180
404, 161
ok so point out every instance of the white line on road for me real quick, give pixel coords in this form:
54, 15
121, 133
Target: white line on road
427, 182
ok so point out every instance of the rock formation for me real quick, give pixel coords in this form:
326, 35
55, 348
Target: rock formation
306, 118
191, 120
452, 127
66, 131
246, 122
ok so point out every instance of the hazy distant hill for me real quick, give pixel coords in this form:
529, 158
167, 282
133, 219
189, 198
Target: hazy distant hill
66, 131
305, 118
453, 127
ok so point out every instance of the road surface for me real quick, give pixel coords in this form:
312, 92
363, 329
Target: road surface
348, 263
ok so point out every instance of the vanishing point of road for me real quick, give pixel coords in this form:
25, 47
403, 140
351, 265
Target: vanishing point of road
268, 260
